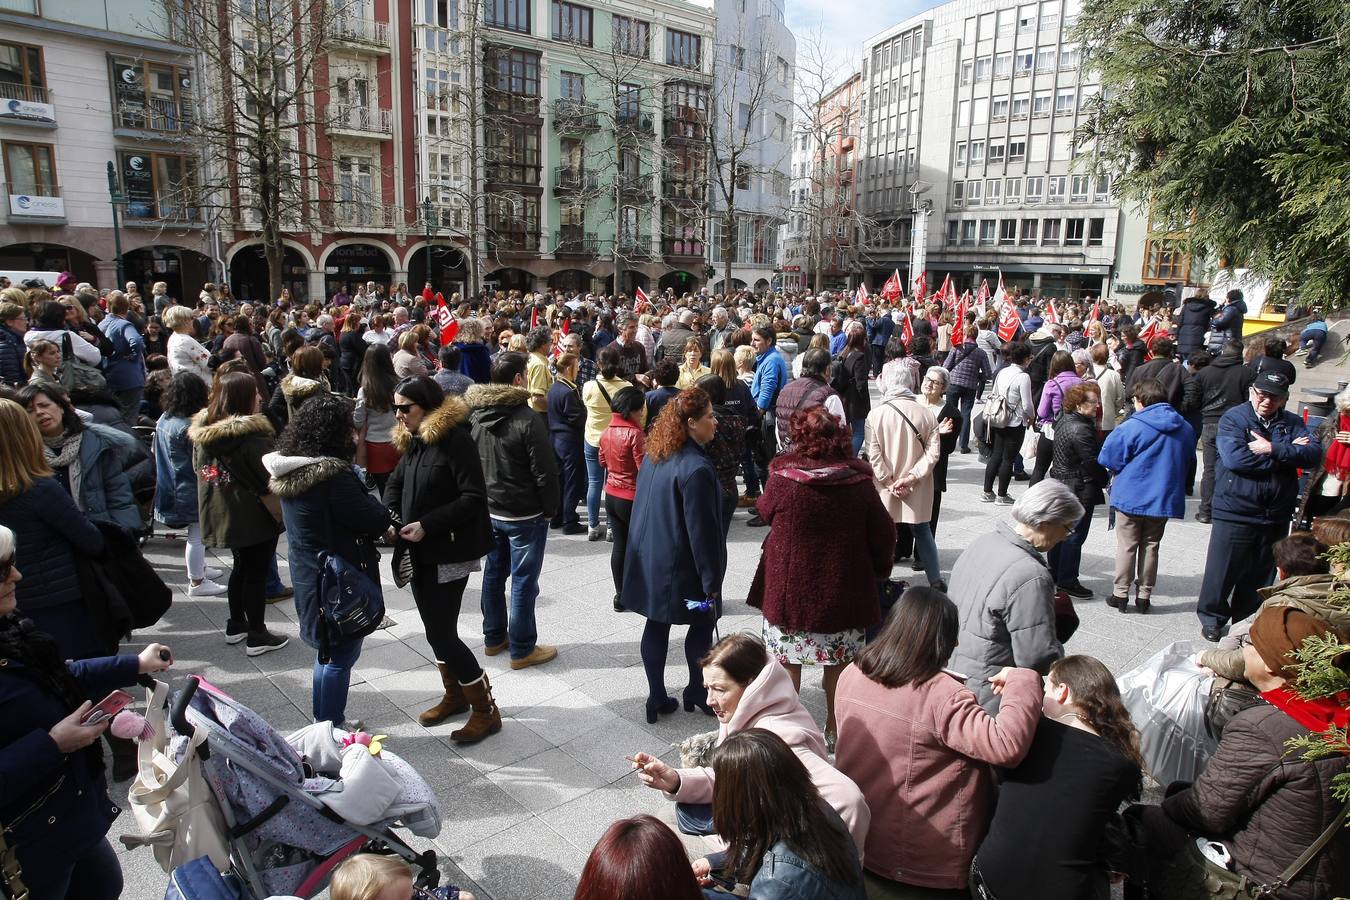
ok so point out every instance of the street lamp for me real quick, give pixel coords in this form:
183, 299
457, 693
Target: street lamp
116, 197
428, 209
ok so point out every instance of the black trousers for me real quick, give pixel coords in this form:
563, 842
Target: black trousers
619, 511
1240, 560
1209, 449
572, 472
1007, 446
438, 605
1045, 453
247, 588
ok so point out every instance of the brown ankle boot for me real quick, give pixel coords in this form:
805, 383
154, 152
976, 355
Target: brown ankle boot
453, 703
486, 718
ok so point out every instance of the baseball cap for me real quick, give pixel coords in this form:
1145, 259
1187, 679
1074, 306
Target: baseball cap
1272, 383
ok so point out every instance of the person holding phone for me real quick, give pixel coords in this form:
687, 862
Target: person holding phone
54, 806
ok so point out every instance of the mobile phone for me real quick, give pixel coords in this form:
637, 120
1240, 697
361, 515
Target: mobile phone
106, 708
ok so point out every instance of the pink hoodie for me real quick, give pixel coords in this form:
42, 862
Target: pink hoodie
771, 703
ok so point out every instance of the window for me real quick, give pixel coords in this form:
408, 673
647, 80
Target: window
953, 231
1045, 60
974, 193
993, 191
513, 223
512, 71
1039, 148
738, 58
1025, 61
512, 15
1050, 231
1021, 105
743, 118
683, 49
779, 127
1165, 261
968, 233
21, 76
1065, 101
979, 111
1030, 232
1069, 57
784, 70
629, 102
686, 110
354, 190
1073, 232
963, 114
967, 71
987, 227
571, 86
742, 177
1012, 190
958, 193
1101, 189
996, 152
1095, 229
151, 95
1007, 232
1003, 65
976, 152
1056, 188
158, 186
1078, 189
571, 23
1040, 105
1017, 151
998, 110
1050, 22
1035, 188
984, 68
632, 37
513, 153
1026, 20
31, 169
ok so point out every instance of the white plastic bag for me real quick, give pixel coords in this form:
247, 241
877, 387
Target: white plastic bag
1166, 698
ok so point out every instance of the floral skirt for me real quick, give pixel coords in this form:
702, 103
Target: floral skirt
810, 648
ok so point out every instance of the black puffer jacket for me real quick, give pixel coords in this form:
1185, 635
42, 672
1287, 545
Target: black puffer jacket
1075, 458
439, 482
1268, 806
1195, 315
1223, 385
519, 466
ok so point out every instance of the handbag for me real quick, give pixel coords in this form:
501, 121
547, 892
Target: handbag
171, 803
199, 879
351, 603
11, 877
1220, 883
146, 596
76, 375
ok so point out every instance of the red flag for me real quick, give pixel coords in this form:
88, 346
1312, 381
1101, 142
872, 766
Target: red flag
534, 317
1094, 316
1051, 314
892, 290
640, 301
1008, 322
958, 330
449, 324
982, 295
427, 295
860, 298
567, 325
906, 329
920, 287
945, 294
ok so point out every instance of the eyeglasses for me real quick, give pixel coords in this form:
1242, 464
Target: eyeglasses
6, 568
404, 408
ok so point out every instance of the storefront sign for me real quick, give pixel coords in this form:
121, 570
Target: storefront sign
37, 207
26, 109
1122, 288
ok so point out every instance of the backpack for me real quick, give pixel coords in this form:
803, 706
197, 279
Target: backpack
997, 411
199, 879
351, 603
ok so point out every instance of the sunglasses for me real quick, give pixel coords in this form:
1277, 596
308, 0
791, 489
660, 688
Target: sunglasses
6, 569
404, 408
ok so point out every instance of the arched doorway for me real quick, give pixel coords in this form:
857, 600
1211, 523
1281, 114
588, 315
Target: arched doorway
509, 280
183, 270
720, 286
680, 282
353, 264
575, 280
449, 271
249, 278
39, 257
761, 286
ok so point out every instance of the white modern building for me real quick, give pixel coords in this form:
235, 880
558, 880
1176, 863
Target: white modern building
752, 96
972, 107
795, 237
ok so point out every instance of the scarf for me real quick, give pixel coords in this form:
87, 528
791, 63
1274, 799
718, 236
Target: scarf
63, 452
1338, 454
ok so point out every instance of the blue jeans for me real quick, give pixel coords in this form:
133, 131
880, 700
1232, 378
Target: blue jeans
274, 585
748, 472
1317, 338
517, 550
859, 429
1065, 557
694, 818
926, 551
964, 398
595, 484
331, 681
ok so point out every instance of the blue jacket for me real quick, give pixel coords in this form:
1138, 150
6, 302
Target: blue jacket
771, 376
12, 351
78, 813
175, 479
784, 875
1260, 489
566, 415
1228, 322
1148, 454
124, 370
105, 487
49, 530
879, 329
475, 360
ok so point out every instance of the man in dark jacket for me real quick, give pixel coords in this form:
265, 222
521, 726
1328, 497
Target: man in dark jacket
673, 339
1261, 447
1223, 385
1227, 325
522, 494
1168, 371
880, 326
1193, 319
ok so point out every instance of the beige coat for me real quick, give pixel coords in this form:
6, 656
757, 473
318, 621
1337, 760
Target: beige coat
895, 449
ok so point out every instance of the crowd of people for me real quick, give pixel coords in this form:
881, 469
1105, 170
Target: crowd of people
962, 749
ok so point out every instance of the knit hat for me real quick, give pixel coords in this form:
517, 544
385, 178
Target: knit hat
1278, 631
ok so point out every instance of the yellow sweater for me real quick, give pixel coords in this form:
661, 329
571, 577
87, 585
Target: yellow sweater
598, 412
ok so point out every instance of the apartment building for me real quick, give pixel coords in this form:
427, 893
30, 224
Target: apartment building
96, 98
752, 89
972, 106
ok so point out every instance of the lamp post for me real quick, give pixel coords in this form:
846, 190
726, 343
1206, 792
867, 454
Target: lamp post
428, 209
116, 197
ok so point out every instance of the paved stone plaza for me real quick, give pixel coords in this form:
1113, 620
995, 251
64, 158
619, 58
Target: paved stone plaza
523, 808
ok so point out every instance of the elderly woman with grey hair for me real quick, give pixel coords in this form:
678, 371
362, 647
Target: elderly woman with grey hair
1006, 593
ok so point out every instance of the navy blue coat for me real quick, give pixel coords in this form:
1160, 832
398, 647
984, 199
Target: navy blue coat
475, 360
676, 551
566, 414
1227, 325
77, 815
49, 530
12, 351
326, 509
1255, 489
879, 329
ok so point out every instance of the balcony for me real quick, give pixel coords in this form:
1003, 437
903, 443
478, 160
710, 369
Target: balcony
25, 103
568, 180
682, 248
635, 246
683, 188
361, 214
360, 121
512, 241
573, 116
574, 242
162, 114
164, 213
636, 187
365, 34
635, 124
41, 204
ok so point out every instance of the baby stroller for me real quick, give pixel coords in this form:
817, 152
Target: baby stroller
285, 835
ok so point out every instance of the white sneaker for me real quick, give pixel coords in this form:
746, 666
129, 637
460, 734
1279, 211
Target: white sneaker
212, 573
206, 588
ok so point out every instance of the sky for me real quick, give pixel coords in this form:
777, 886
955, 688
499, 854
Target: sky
844, 25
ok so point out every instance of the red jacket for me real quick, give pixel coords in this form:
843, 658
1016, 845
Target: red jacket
831, 542
622, 446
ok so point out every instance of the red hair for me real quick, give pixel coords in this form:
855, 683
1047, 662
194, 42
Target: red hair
638, 859
817, 434
671, 429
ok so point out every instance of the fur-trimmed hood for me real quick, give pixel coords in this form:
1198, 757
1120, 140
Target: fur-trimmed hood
435, 425
482, 395
233, 428
296, 387
294, 475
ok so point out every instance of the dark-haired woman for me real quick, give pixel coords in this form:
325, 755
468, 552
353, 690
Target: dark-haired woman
176, 479
305, 379
623, 444
727, 448
598, 398
676, 558
784, 842
638, 859
852, 383
918, 744
229, 439
1074, 462
829, 521
326, 509
1013, 385
352, 348
1047, 837
244, 344
374, 414
54, 796
438, 494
